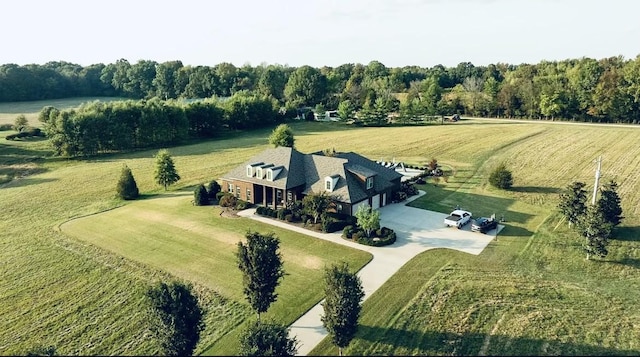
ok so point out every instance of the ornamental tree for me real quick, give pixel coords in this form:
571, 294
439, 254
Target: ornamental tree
260, 262
342, 304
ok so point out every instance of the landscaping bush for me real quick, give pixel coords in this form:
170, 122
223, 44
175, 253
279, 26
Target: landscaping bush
260, 210
381, 237
241, 205
220, 194
288, 217
200, 196
5, 127
347, 232
273, 213
334, 226
228, 200
281, 213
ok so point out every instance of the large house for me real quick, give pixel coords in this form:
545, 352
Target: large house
281, 175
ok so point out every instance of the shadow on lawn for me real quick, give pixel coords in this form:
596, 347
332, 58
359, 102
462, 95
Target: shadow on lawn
535, 189
627, 234
447, 343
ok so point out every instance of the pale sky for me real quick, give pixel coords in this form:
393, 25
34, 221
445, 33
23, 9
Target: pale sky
318, 32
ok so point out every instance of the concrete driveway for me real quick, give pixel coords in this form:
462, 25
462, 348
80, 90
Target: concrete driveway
416, 230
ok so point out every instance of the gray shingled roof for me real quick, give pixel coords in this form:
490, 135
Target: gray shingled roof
311, 169
291, 160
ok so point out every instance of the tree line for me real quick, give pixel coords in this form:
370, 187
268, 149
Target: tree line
99, 127
585, 89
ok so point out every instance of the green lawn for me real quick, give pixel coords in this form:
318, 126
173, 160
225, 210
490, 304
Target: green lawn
529, 292
195, 243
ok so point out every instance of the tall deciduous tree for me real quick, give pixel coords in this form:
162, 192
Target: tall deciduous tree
342, 304
282, 135
267, 339
127, 189
609, 203
368, 219
165, 173
306, 86
573, 202
261, 265
177, 317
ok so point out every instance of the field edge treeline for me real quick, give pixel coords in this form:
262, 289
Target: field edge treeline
584, 89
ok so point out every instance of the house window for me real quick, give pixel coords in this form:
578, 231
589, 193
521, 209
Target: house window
238, 191
327, 185
248, 195
230, 188
269, 175
249, 171
289, 196
259, 172
369, 183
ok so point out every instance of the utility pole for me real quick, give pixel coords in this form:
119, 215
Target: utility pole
595, 187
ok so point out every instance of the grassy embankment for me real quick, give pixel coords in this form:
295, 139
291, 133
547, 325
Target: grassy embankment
530, 292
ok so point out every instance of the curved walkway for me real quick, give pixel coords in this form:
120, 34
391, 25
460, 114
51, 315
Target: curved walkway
416, 230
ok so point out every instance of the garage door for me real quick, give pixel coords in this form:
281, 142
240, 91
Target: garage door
355, 206
375, 202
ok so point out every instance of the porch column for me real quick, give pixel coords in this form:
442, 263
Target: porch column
264, 196
275, 201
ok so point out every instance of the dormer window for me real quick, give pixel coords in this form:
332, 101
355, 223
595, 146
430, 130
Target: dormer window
261, 170
330, 182
369, 183
272, 172
252, 169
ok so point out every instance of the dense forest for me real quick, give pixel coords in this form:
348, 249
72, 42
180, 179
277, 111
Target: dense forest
605, 90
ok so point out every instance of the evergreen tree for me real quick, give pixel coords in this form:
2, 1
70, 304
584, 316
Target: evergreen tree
200, 196
177, 319
609, 203
165, 173
342, 305
261, 265
127, 189
267, 339
573, 202
213, 189
501, 177
596, 230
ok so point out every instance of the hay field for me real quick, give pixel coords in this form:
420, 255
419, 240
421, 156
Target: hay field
530, 292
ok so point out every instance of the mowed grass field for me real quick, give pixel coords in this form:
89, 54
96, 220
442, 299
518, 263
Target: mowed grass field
30, 109
530, 291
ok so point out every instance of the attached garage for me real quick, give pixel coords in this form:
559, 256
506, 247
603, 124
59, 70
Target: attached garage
375, 201
354, 207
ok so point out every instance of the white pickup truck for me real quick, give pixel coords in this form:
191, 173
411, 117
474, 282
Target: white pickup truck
458, 218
